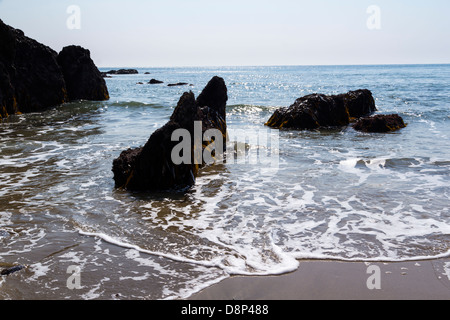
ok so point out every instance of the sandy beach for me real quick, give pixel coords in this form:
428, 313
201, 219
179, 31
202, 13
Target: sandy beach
333, 280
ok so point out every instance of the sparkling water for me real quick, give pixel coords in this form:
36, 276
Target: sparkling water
336, 194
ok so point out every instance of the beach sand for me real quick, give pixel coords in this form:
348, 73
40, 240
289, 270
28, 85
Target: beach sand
333, 280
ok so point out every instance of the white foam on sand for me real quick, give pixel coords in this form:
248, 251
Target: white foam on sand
230, 264
447, 270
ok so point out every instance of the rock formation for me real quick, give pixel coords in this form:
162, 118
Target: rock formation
83, 79
318, 110
380, 123
32, 79
151, 167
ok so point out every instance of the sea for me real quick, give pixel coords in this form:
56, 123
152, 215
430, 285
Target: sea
332, 194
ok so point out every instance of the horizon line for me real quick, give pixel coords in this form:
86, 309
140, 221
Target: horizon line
280, 65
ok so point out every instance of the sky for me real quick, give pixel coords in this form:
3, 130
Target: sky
172, 33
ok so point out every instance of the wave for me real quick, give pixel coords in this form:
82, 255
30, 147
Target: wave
383, 163
136, 104
289, 264
288, 261
251, 107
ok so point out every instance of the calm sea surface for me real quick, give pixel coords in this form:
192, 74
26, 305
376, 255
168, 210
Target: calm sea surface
335, 194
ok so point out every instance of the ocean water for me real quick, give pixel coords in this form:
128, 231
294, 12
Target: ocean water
334, 194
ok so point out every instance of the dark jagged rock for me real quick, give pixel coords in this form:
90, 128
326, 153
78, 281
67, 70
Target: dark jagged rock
123, 71
318, 110
380, 123
30, 77
83, 79
154, 81
151, 167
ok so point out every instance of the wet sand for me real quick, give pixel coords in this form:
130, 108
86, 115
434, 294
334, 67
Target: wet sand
333, 280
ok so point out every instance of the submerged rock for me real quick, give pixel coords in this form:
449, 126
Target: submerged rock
151, 167
380, 123
8, 271
318, 110
83, 79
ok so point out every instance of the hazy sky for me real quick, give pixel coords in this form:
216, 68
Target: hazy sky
154, 33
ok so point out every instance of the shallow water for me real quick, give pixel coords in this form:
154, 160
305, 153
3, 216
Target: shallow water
330, 194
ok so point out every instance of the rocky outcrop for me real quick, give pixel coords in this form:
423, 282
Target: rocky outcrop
380, 123
32, 79
83, 79
318, 110
151, 167
122, 71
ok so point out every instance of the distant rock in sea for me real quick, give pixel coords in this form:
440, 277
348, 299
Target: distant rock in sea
150, 168
32, 78
380, 123
318, 110
179, 84
154, 81
122, 71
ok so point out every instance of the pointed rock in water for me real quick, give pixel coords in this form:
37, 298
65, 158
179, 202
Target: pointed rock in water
380, 123
151, 168
83, 79
318, 110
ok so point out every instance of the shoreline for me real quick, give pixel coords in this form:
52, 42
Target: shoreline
337, 280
